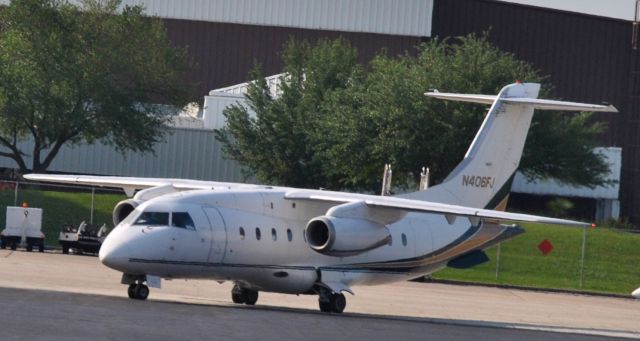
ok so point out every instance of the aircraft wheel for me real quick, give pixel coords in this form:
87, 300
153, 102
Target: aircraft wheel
325, 307
337, 303
237, 295
29, 247
250, 296
141, 292
3, 244
14, 246
131, 291
41, 248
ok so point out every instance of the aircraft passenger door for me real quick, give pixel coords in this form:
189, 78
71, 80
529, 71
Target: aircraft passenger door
218, 235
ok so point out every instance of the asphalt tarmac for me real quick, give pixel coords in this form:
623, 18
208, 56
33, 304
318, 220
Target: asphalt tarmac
52, 296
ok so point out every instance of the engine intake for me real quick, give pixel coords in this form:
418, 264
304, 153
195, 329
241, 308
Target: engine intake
345, 236
123, 209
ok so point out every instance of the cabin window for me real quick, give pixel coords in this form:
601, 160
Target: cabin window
153, 219
182, 220
404, 239
258, 233
289, 234
274, 234
241, 233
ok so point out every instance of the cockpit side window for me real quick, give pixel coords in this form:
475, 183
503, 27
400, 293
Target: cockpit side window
153, 218
182, 220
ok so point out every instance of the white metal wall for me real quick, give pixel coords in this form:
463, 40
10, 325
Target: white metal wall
613, 156
186, 153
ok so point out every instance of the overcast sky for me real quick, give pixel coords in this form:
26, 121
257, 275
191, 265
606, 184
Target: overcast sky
621, 9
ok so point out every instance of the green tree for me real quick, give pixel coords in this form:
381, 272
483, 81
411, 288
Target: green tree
379, 114
279, 143
70, 74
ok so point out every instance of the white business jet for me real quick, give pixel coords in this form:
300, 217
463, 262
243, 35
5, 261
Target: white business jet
300, 241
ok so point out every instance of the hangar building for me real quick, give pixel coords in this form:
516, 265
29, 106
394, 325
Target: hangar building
589, 50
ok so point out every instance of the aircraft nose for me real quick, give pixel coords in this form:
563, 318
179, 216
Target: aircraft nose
115, 253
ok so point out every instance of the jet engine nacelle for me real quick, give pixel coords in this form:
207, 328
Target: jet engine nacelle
336, 236
123, 209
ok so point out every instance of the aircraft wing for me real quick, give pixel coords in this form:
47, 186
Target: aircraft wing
131, 184
351, 203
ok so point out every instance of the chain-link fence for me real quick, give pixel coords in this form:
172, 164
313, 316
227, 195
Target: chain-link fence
61, 204
593, 259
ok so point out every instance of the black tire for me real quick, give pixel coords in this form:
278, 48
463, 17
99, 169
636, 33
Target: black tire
14, 246
237, 295
29, 247
250, 296
3, 244
142, 292
131, 291
65, 250
325, 307
338, 302
41, 248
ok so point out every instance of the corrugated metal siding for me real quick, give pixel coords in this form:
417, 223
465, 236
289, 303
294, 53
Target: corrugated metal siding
398, 17
225, 53
587, 58
214, 105
186, 153
613, 156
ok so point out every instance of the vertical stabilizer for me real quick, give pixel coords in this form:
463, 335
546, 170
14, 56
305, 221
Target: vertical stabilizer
483, 178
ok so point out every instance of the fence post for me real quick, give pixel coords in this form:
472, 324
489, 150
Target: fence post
93, 199
15, 194
584, 246
498, 261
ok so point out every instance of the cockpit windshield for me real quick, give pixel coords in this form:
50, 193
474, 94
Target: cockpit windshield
182, 220
153, 218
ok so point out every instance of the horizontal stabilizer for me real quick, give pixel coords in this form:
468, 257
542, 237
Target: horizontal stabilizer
482, 99
546, 104
542, 104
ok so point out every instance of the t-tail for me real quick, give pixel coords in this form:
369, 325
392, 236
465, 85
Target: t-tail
483, 178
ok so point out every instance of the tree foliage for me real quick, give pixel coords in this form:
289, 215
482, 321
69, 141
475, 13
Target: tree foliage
70, 74
340, 122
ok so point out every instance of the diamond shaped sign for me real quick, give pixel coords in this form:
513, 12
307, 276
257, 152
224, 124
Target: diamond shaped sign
545, 247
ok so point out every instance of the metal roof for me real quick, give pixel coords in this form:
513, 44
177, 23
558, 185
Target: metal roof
617, 9
398, 17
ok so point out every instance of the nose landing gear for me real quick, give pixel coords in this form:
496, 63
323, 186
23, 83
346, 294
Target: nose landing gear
138, 291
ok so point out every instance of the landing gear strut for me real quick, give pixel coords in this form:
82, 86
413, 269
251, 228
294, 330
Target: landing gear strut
137, 289
331, 302
241, 295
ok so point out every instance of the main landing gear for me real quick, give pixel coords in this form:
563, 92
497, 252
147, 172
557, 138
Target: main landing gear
241, 295
331, 302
